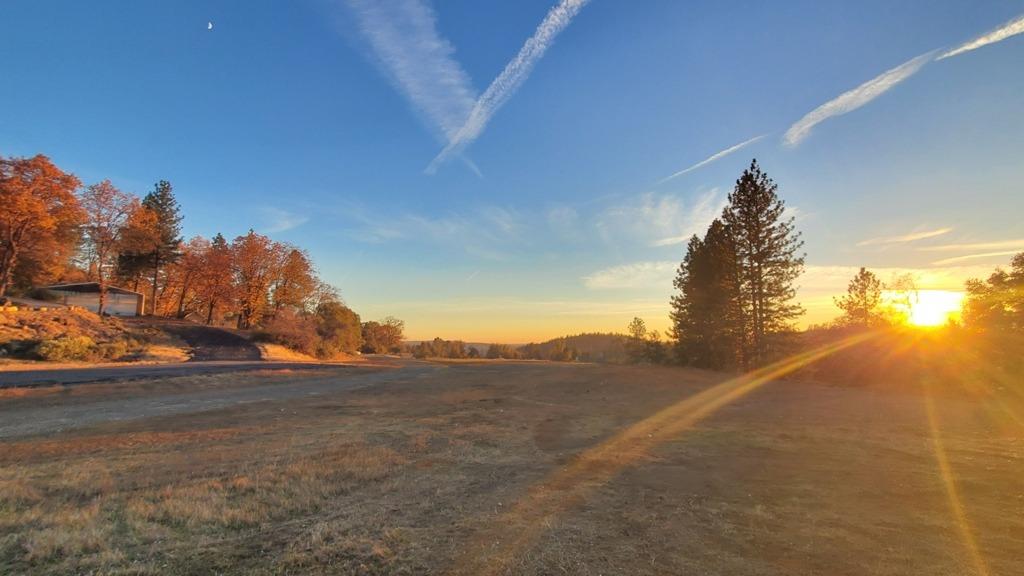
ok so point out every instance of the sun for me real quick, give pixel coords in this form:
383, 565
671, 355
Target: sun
928, 308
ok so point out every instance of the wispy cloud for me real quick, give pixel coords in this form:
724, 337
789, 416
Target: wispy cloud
994, 245
817, 279
853, 99
279, 220
904, 238
419, 62
831, 280
490, 233
634, 275
513, 76
712, 158
797, 213
660, 219
954, 260
1011, 28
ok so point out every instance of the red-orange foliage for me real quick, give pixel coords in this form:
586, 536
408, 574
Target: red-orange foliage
39, 216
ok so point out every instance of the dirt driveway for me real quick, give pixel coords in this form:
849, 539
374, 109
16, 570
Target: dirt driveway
113, 372
165, 396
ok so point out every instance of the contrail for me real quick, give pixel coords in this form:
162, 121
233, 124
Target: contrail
712, 158
514, 74
911, 237
418, 61
853, 99
946, 261
1011, 28
994, 245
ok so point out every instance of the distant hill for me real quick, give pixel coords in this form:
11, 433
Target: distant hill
610, 348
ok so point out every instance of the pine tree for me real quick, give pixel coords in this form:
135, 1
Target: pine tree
705, 316
862, 304
162, 203
637, 330
768, 261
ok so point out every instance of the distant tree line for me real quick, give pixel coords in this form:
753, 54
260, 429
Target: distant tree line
439, 348
51, 228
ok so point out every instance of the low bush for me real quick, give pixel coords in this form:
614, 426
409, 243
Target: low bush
330, 330
66, 348
291, 331
114, 350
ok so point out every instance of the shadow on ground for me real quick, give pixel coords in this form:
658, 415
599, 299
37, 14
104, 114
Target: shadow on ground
208, 342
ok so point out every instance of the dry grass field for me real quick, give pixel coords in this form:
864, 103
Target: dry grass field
518, 468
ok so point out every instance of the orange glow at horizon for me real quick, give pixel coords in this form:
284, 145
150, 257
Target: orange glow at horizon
929, 308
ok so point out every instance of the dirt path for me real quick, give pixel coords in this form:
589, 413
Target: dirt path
16, 378
18, 421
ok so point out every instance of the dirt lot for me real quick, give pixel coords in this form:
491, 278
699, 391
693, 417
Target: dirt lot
514, 468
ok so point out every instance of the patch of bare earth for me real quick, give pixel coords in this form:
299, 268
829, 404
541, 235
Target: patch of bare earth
419, 476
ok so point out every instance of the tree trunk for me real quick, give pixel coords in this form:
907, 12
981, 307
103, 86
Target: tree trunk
10, 256
181, 299
103, 290
209, 313
156, 272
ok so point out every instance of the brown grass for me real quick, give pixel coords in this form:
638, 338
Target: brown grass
406, 478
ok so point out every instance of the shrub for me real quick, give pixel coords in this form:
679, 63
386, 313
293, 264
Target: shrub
330, 330
339, 329
66, 348
292, 331
114, 350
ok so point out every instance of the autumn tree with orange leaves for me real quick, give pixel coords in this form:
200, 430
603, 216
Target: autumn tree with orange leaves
215, 285
39, 218
107, 210
140, 237
185, 275
296, 281
256, 260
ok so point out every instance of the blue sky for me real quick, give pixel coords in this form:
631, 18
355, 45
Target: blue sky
321, 123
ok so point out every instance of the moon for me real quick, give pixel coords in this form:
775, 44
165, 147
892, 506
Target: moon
209, 25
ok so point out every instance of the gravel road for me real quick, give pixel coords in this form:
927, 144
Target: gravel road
18, 378
17, 420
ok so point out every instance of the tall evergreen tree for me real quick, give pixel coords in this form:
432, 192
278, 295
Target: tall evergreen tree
162, 203
768, 261
706, 320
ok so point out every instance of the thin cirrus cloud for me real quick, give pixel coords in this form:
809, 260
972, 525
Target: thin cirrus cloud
1011, 28
904, 238
510, 79
403, 37
634, 275
958, 259
658, 219
717, 155
994, 245
279, 220
854, 99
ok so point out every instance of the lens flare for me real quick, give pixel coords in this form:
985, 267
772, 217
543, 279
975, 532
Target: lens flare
927, 308
495, 549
